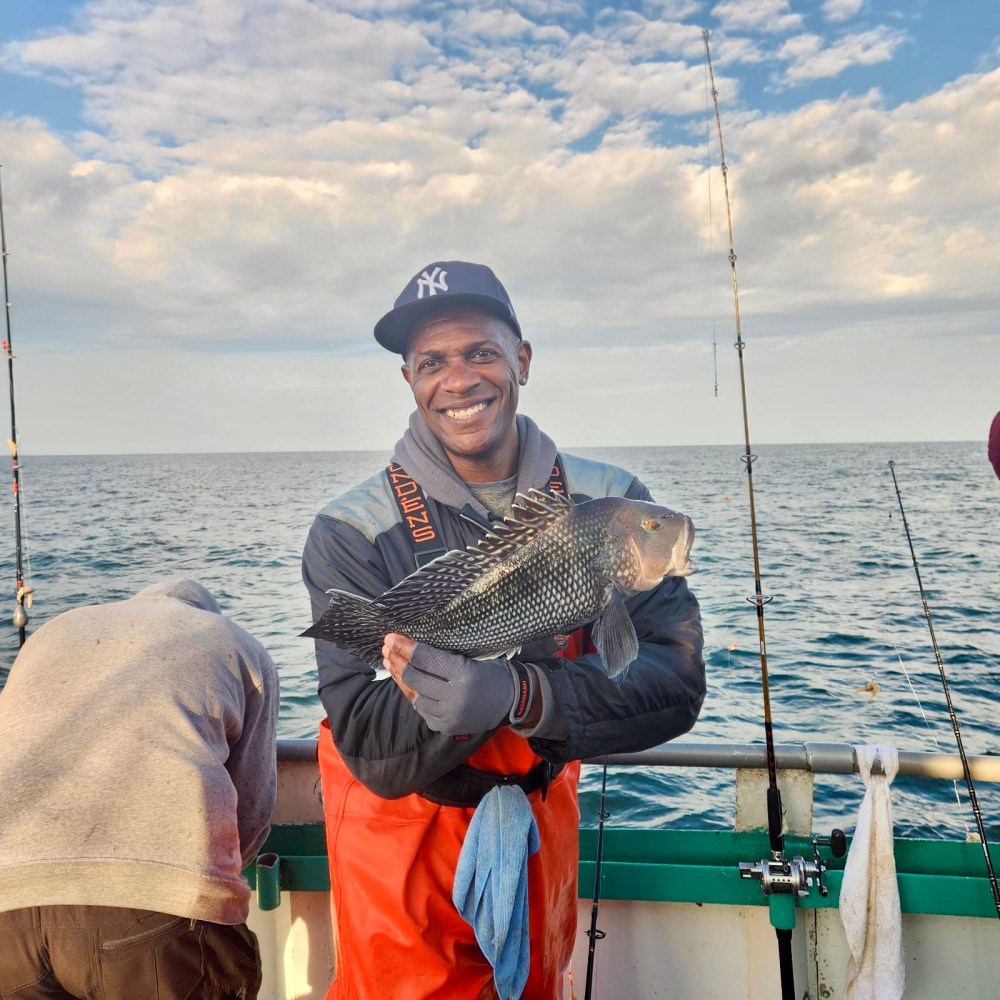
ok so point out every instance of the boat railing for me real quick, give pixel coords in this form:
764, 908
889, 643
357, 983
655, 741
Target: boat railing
819, 758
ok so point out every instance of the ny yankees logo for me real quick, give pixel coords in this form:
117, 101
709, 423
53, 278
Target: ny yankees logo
432, 283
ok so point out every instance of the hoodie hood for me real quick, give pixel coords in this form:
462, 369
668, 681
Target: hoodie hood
421, 454
189, 591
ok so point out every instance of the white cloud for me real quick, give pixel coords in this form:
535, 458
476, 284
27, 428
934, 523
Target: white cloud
673, 10
562, 9
180, 69
841, 10
757, 15
874, 194
649, 39
500, 24
810, 59
732, 50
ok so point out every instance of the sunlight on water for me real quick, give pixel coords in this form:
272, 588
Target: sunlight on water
833, 555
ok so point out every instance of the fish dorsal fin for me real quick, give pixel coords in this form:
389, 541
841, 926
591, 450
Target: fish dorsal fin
529, 514
444, 578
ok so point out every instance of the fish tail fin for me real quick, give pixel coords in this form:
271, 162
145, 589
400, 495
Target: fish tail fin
354, 623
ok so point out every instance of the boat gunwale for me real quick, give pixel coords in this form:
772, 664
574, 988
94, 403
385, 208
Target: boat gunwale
815, 757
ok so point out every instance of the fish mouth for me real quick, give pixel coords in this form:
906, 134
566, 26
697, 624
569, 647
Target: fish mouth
680, 557
467, 412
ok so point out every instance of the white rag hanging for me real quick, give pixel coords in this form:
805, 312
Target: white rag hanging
869, 895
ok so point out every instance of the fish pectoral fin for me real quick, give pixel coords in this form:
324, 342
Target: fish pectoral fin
614, 635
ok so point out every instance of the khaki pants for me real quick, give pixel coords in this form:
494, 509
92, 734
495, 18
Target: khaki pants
116, 953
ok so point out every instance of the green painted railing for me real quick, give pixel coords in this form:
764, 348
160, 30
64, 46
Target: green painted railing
692, 866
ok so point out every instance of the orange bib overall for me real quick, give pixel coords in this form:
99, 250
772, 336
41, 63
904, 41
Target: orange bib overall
397, 934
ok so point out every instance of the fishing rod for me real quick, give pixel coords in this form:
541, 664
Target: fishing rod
782, 880
758, 599
22, 593
594, 934
973, 798
711, 222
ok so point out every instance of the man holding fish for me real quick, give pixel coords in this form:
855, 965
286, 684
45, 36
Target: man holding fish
531, 610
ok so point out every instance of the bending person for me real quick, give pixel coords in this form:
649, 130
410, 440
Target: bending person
138, 778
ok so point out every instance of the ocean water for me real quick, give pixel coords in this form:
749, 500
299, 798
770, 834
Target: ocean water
834, 560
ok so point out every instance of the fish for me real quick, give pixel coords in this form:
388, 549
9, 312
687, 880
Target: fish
551, 567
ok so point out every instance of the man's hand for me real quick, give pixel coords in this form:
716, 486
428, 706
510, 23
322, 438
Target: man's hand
452, 693
396, 650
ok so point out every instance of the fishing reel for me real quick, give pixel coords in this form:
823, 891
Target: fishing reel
779, 875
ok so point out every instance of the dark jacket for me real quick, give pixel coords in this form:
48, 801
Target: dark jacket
360, 544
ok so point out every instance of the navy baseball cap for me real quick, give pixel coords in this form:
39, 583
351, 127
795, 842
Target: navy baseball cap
438, 286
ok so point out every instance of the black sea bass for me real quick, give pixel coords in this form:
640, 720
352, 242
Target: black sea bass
548, 569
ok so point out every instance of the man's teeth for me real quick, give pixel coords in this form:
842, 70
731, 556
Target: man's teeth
466, 413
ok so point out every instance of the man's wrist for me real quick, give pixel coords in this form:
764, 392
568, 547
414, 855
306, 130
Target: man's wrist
525, 687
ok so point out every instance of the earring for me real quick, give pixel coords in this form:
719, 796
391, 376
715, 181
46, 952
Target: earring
523, 380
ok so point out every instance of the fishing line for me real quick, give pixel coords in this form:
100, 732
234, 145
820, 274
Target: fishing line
22, 593
973, 798
774, 810
594, 934
927, 723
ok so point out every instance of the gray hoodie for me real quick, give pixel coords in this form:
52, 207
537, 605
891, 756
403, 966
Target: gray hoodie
138, 758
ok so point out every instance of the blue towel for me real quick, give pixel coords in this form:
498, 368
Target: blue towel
491, 883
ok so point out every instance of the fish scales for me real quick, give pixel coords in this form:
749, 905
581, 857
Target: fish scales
520, 598
549, 569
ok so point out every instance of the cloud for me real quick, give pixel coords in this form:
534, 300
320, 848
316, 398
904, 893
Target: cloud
499, 24
810, 59
872, 198
317, 156
841, 10
730, 50
757, 15
181, 69
673, 10
563, 10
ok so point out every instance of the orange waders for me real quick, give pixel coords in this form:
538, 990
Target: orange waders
397, 934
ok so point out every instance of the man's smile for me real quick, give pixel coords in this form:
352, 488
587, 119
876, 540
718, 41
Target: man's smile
468, 412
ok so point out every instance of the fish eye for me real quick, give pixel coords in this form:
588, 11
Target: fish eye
651, 524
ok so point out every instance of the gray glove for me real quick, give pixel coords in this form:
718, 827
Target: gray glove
456, 694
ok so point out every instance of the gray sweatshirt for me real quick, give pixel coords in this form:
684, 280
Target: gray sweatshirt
137, 758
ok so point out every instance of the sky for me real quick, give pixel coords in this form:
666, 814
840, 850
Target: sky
208, 204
